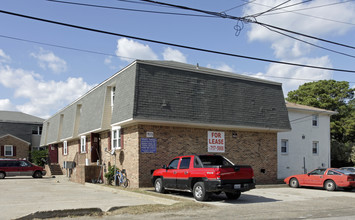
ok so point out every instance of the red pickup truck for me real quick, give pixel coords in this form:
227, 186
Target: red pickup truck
203, 175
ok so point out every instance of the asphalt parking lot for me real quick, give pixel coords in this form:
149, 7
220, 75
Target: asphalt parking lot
23, 196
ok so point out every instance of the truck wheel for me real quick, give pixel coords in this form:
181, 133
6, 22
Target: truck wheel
294, 183
37, 174
158, 185
234, 195
199, 191
330, 185
2, 175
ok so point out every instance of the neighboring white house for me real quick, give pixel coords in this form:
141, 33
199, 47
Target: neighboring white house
307, 145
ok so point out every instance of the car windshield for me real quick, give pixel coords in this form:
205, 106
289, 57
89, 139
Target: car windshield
214, 160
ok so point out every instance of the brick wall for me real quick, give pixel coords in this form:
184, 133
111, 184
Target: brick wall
258, 149
22, 148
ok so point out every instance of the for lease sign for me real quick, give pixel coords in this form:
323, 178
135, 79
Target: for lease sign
215, 141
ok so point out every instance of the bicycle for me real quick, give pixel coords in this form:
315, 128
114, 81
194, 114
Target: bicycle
121, 178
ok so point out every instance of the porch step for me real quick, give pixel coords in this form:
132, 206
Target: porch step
55, 169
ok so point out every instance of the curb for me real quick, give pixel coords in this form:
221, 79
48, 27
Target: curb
61, 213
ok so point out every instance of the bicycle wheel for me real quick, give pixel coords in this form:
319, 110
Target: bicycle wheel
125, 181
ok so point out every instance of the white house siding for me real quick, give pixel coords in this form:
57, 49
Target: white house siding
300, 158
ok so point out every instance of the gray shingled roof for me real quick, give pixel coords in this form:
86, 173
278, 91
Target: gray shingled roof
19, 117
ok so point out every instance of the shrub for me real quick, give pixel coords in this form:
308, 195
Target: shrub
39, 157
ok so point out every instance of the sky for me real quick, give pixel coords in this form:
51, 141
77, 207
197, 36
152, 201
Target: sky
45, 66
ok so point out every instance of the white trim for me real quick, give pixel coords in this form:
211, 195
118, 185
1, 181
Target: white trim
82, 145
89, 132
65, 148
116, 146
193, 124
12, 150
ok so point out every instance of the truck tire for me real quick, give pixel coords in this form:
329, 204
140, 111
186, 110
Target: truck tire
158, 186
234, 195
2, 175
199, 191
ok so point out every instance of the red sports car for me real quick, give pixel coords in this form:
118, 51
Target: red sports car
330, 179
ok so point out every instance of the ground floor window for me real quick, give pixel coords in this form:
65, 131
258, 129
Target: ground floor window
315, 146
116, 138
284, 146
9, 150
83, 144
65, 147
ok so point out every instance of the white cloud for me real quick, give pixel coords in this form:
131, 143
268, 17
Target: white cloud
174, 55
44, 97
5, 104
222, 67
3, 57
129, 50
288, 48
48, 60
292, 76
108, 60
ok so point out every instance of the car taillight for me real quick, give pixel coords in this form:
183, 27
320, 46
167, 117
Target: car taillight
218, 174
350, 179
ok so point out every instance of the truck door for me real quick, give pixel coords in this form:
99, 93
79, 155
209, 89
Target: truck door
183, 174
170, 174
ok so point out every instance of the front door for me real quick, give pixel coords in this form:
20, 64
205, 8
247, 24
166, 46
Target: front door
170, 175
53, 153
95, 148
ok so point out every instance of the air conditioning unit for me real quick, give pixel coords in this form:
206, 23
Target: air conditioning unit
69, 164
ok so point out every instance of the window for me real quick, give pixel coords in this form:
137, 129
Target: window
315, 120
83, 144
116, 138
284, 146
315, 146
174, 164
317, 172
185, 163
9, 151
332, 172
37, 130
65, 148
113, 93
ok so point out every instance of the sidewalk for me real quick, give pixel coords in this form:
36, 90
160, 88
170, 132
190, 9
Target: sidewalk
28, 198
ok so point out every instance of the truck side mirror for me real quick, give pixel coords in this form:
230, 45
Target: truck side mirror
164, 167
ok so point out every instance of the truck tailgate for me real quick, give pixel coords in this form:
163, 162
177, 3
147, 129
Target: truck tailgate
236, 172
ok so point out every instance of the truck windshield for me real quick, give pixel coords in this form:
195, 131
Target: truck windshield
214, 160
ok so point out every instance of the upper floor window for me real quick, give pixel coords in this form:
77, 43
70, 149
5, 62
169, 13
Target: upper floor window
284, 146
37, 130
315, 146
116, 138
113, 93
65, 148
9, 151
315, 121
83, 144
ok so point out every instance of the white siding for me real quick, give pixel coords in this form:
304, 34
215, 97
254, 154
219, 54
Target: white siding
300, 140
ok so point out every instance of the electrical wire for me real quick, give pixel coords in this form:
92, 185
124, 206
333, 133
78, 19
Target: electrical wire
173, 44
129, 9
271, 9
249, 20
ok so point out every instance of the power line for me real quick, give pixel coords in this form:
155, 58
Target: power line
115, 55
129, 9
173, 44
249, 20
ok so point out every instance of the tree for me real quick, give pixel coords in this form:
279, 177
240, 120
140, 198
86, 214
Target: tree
335, 96
330, 95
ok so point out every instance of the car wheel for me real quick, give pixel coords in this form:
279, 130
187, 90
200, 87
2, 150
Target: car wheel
294, 183
199, 191
37, 174
2, 175
234, 195
158, 185
329, 185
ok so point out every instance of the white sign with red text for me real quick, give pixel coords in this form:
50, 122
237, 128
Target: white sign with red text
216, 141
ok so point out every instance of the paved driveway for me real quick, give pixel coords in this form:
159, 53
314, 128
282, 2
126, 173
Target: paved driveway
21, 196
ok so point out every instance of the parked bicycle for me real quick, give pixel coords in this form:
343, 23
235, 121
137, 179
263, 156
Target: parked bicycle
121, 178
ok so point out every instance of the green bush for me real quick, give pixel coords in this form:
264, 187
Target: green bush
110, 174
39, 157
